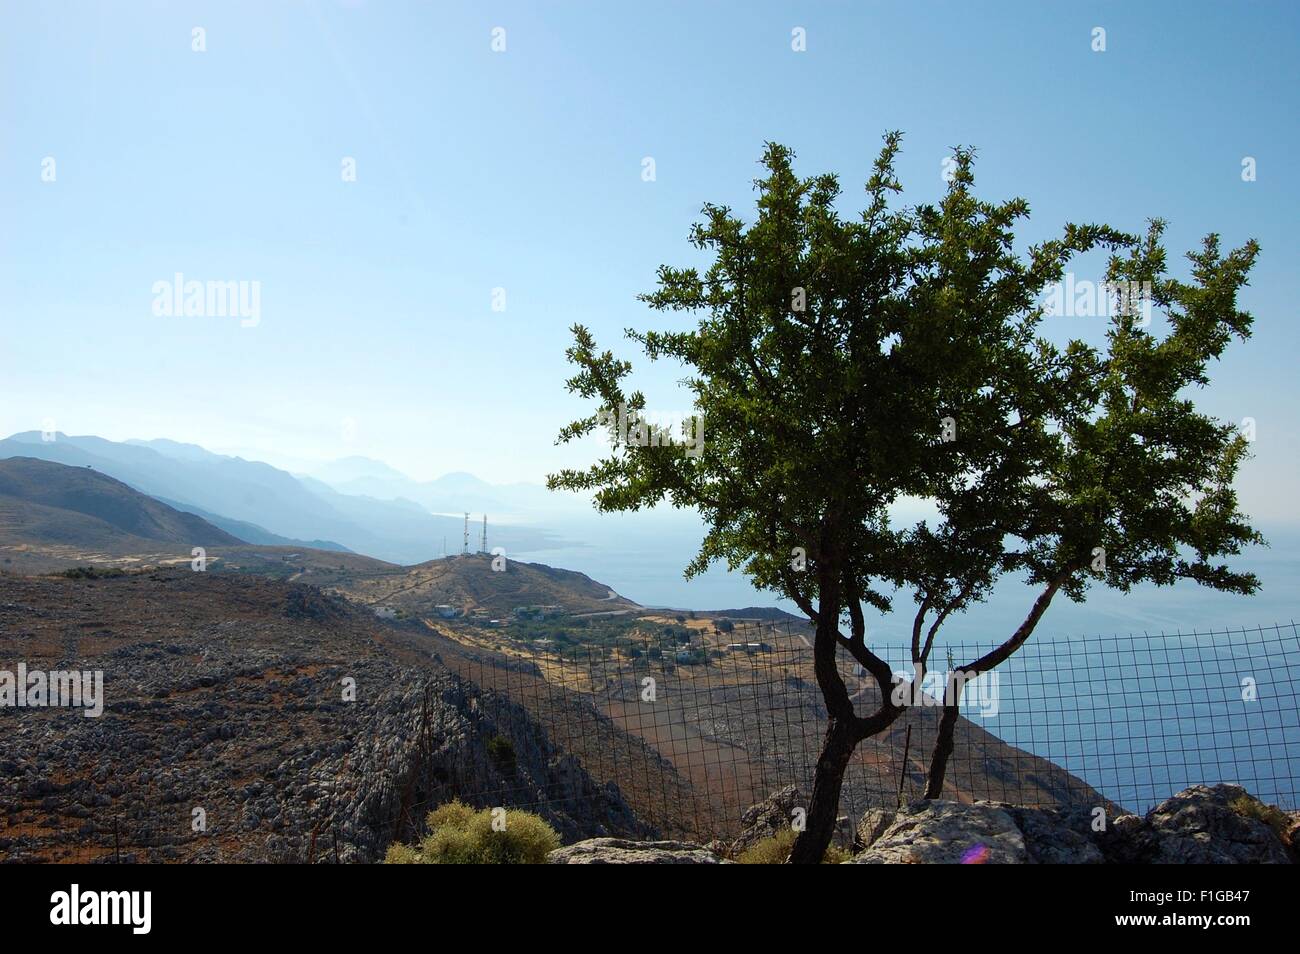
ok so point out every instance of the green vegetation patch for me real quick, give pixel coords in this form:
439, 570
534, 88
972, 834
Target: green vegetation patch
92, 573
1270, 815
774, 850
459, 835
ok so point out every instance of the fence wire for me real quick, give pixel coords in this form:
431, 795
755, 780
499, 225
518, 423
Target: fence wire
692, 732
690, 725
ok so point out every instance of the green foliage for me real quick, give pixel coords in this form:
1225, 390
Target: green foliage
678, 634
453, 814
691, 657
399, 854
1270, 815
581, 637
459, 835
830, 350
570, 633
775, 849
92, 573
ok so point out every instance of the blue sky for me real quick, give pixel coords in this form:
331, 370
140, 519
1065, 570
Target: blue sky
522, 170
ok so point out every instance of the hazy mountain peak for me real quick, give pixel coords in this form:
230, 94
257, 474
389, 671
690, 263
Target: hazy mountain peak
36, 437
177, 449
391, 520
356, 467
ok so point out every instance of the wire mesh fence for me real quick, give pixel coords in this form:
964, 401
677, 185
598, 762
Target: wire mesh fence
697, 724
690, 724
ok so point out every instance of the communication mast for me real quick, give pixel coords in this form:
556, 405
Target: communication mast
464, 549
483, 543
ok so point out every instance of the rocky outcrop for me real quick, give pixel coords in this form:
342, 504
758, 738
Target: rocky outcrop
619, 851
1056, 836
1291, 837
247, 721
1205, 824
772, 815
778, 813
1050, 836
938, 832
430, 744
873, 823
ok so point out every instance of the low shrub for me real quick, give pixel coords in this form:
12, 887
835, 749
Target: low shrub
459, 835
1270, 815
92, 573
775, 849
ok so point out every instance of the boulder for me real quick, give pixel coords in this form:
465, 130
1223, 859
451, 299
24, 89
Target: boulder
769, 817
1126, 840
873, 824
1292, 837
1055, 837
941, 832
1204, 824
621, 851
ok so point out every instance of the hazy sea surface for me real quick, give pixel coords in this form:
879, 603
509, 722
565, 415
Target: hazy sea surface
642, 556
1142, 717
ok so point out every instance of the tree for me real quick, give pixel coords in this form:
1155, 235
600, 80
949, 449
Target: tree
841, 365
1124, 483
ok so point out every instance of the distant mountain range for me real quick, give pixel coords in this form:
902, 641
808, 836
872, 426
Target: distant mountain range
251, 532
265, 505
450, 493
45, 502
54, 516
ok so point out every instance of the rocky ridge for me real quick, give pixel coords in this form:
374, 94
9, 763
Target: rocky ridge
249, 720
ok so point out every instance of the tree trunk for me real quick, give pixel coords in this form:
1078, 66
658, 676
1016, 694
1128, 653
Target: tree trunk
947, 725
942, 751
824, 808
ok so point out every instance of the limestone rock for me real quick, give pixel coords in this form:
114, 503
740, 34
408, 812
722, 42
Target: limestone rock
620, 851
873, 824
1055, 837
940, 832
1200, 825
767, 818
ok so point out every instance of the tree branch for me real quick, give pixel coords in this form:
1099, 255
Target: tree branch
1000, 655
